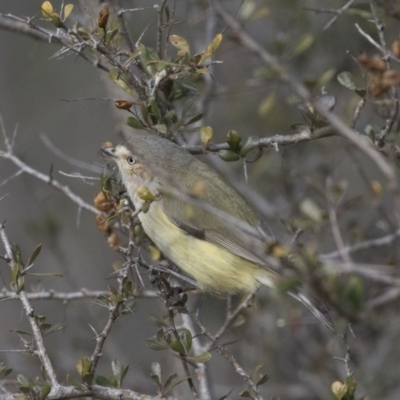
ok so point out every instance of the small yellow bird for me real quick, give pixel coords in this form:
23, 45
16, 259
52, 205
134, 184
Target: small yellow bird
198, 220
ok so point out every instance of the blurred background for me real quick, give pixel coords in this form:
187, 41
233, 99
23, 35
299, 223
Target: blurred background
66, 100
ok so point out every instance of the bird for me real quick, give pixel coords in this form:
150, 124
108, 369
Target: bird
197, 219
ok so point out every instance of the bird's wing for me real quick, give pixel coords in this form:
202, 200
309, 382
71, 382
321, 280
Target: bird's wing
205, 226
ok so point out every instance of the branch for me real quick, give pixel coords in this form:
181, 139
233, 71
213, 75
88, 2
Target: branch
95, 391
71, 296
272, 141
41, 350
50, 181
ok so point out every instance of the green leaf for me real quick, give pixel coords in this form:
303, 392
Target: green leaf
228, 155
262, 379
103, 381
348, 80
311, 210
4, 371
67, 10
186, 339
156, 373
46, 388
119, 371
201, 358
169, 383
35, 253
246, 394
120, 80
211, 48
160, 128
83, 366
156, 345
267, 104
17, 255
133, 122
72, 381
351, 385
206, 134
303, 43
176, 345
193, 119
233, 139
252, 142
88, 378
180, 43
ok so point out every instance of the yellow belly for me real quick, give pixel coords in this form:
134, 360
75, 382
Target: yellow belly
214, 268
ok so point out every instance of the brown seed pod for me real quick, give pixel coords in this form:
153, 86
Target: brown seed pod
102, 203
123, 104
113, 241
102, 19
396, 48
101, 223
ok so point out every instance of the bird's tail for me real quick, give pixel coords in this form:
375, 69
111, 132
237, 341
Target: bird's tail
320, 311
322, 316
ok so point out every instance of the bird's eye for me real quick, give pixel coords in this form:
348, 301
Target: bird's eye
131, 160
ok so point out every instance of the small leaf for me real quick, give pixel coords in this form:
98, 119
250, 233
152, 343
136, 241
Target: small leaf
262, 379
267, 104
103, 381
72, 381
47, 9
134, 123
67, 10
155, 254
169, 383
251, 143
339, 389
156, 345
176, 345
211, 48
4, 371
83, 366
246, 394
120, 80
180, 43
206, 134
303, 43
228, 155
351, 385
160, 128
186, 339
35, 253
201, 358
46, 388
233, 139
311, 210
193, 119
144, 193
118, 371
88, 378
156, 373
347, 80
17, 255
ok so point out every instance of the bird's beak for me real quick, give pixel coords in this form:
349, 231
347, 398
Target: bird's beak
108, 152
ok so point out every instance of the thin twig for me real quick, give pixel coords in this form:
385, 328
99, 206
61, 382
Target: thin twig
71, 296
37, 335
254, 392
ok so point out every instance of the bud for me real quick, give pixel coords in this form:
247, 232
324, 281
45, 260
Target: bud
102, 203
102, 19
113, 241
123, 104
